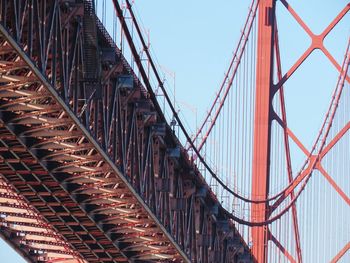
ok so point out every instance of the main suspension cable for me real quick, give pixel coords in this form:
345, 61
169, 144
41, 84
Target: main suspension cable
154, 100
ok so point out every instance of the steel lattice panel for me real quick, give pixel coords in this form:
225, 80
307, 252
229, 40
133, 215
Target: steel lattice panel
88, 153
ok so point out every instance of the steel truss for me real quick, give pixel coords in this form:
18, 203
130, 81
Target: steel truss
28, 233
84, 147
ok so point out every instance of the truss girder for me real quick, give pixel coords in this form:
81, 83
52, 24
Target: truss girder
87, 152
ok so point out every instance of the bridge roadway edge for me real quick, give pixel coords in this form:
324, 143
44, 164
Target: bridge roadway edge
197, 177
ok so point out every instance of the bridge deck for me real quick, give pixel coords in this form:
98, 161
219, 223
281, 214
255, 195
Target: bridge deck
94, 161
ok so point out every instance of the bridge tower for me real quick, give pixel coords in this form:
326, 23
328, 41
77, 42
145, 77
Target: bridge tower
262, 124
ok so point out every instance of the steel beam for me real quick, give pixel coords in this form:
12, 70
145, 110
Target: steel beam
94, 157
262, 126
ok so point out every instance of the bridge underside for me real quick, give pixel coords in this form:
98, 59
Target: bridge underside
28, 233
89, 171
57, 170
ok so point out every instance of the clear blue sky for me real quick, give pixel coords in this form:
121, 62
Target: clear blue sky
8, 254
195, 39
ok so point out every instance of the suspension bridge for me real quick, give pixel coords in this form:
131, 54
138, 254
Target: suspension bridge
97, 166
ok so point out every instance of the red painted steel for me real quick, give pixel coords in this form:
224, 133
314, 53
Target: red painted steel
287, 149
229, 77
93, 155
283, 250
341, 253
55, 128
262, 126
316, 43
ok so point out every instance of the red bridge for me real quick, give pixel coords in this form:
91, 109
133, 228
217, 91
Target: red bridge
93, 170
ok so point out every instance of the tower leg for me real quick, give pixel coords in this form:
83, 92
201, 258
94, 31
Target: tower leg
262, 126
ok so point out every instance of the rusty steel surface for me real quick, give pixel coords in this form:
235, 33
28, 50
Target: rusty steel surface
87, 154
